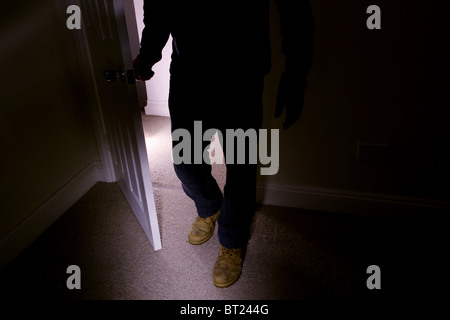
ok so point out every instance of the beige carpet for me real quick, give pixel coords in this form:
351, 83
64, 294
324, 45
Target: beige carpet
292, 253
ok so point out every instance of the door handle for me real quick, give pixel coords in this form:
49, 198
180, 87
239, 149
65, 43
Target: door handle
112, 75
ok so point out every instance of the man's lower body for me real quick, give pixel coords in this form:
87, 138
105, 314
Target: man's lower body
218, 104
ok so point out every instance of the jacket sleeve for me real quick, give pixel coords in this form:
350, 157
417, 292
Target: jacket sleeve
156, 31
297, 32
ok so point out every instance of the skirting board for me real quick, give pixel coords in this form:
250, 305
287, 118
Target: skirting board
48, 212
347, 202
157, 108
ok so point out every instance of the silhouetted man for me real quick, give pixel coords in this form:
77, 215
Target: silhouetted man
221, 53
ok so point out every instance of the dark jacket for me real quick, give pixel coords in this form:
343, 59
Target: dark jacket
226, 37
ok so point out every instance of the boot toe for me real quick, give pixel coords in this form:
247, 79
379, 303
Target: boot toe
228, 267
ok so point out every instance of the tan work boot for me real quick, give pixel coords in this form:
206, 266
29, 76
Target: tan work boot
202, 229
228, 267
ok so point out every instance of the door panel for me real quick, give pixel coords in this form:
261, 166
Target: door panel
106, 31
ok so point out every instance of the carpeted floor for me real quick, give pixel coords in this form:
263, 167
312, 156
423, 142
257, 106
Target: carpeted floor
292, 253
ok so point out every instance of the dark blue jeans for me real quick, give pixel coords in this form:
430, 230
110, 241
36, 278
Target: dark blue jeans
220, 104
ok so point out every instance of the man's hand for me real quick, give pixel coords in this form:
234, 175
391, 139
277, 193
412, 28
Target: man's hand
291, 95
142, 71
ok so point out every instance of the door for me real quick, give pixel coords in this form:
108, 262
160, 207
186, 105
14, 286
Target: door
106, 32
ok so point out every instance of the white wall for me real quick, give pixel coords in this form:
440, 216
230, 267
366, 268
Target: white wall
158, 86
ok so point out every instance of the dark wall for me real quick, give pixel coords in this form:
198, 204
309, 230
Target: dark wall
385, 86
46, 132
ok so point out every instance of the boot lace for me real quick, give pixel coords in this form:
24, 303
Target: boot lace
232, 253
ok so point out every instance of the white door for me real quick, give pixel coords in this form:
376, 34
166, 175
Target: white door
107, 32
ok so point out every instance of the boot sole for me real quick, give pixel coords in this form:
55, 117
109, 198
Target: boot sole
200, 242
226, 285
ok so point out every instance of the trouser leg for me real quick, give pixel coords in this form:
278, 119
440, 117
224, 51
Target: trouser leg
238, 206
238, 201
199, 185
196, 178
